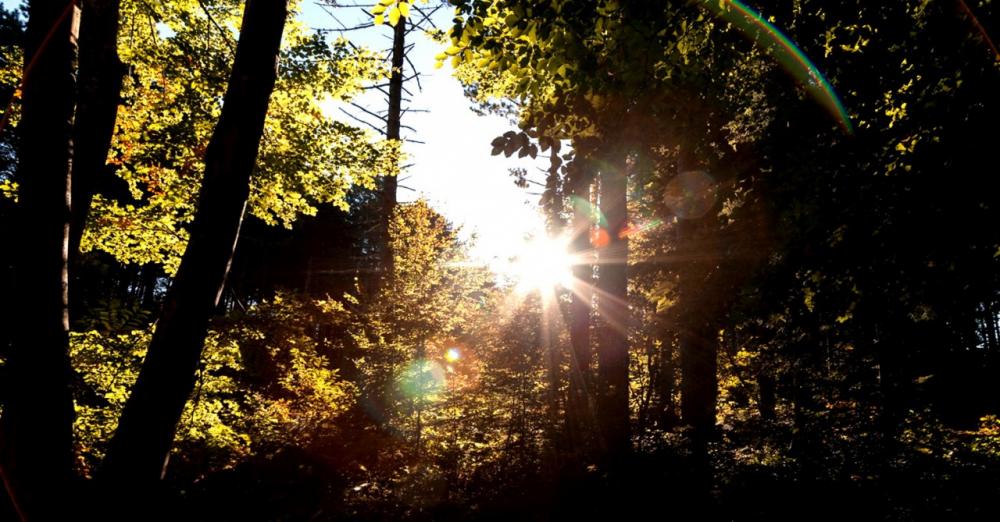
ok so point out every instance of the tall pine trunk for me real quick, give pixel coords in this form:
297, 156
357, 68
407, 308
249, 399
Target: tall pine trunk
612, 310
392, 132
36, 437
139, 449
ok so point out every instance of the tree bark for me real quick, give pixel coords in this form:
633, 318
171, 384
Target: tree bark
36, 436
100, 79
699, 367
698, 333
392, 132
612, 311
139, 449
580, 307
665, 383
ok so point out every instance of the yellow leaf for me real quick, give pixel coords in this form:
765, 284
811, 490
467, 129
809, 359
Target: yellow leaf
404, 9
379, 19
394, 16
378, 9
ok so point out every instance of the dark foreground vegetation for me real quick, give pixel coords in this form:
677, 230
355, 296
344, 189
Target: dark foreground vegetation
783, 218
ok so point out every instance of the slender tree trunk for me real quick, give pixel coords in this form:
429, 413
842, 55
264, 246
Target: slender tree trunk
549, 341
699, 351
392, 132
100, 79
698, 333
138, 451
580, 307
665, 384
36, 437
612, 311
766, 395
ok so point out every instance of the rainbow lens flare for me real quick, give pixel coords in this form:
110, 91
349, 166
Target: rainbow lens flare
785, 51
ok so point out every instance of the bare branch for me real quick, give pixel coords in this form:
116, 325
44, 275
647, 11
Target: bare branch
225, 35
416, 75
366, 111
357, 119
365, 25
426, 16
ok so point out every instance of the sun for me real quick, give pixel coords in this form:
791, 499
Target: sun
542, 263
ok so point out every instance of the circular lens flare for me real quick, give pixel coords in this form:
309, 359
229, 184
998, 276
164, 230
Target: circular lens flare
422, 380
690, 195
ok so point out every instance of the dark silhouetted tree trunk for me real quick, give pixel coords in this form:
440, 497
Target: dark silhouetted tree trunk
612, 310
698, 332
100, 79
392, 132
766, 395
36, 437
581, 303
699, 366
666, 382
139, 449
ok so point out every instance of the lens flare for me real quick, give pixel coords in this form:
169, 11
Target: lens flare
452, 355
785, 51
690, 195
637, 229
599, 238
422, 379
583, 207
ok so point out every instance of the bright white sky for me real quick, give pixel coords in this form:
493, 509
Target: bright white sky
453, 169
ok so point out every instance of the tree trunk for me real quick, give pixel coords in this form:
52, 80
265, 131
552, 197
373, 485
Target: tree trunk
699, 345
665, 383
766, 396
392, 132
100, 79
698, 333
549, 344
612, 311
580, 307
139, 449
699, 351
36, 430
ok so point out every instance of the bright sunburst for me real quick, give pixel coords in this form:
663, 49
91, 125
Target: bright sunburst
542, 263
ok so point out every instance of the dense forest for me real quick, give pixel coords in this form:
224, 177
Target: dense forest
769, 288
